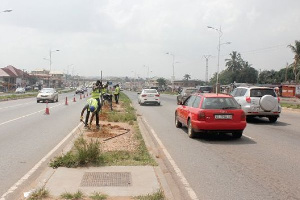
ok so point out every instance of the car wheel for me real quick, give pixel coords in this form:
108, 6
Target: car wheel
158, 104
178, 124
57, 99
249, 118
273, 119
191, 132
37, 101
237, 134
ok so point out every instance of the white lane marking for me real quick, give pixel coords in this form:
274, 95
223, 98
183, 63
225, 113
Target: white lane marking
187, 186
26, 176
248, 137
16, 105
12, 120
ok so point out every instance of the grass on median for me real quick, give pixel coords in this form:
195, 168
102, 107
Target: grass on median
127, 116
39, 194
288, 105
68, 195
87, 153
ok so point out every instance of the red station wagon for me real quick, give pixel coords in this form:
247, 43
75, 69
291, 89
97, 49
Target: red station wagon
210, 112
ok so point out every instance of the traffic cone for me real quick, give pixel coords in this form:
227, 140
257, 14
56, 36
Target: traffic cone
87, 94
74, 100
47, 112
66, 103
80, 96
83, 95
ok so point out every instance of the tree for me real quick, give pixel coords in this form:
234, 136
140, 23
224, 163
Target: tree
186, 77
161, 82
296, 66
235, 62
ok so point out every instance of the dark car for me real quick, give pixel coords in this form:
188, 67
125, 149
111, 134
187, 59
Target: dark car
184, 94
205, 89
79, 90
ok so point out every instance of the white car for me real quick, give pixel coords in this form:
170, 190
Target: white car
20, 90
47, 94
149, 96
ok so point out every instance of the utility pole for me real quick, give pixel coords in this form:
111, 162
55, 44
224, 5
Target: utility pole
206, 72
286, 70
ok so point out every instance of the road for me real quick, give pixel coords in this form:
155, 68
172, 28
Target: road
27, 134
263, 164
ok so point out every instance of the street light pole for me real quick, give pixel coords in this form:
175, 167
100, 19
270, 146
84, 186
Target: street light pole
173, 77
50, 62
219, 48
206, 72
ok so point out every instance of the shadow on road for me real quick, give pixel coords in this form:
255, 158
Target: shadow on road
221, 138
265, 121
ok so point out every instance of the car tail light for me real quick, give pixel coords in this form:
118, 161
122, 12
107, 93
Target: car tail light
243, 117
144, 95
248, 99
201, 116
278, 99
157, 95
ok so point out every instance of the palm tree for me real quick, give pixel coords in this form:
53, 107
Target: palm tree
296, 50
234, 63
186, 77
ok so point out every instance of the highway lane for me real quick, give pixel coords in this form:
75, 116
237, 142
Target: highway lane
263, 164
27, 135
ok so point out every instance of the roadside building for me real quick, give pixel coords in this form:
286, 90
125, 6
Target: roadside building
11, 78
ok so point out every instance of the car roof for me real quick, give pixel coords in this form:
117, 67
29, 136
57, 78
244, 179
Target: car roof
256, 87
208, 95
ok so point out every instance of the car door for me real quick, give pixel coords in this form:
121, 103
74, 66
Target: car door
187, 107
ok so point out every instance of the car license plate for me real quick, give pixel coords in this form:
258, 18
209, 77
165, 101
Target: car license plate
223, 116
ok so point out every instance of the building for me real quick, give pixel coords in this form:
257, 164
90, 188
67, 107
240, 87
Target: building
12, 78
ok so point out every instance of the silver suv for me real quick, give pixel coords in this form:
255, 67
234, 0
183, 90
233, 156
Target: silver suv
258, 102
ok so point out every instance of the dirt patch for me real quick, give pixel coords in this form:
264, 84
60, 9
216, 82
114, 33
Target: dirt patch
113, 136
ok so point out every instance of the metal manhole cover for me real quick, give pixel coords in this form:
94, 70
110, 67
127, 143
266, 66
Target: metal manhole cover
100, 179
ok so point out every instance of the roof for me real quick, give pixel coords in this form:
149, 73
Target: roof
208, 95
3, 73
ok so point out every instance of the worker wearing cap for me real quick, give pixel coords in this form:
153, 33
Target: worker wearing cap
117, 93
91, 106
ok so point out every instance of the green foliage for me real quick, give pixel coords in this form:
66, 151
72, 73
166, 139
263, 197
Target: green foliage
98, 196
293, 106
84, 154
156, 196
161, 82
186, 77
68, 195
39, 194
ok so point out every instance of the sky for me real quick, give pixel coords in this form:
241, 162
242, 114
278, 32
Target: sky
131, 37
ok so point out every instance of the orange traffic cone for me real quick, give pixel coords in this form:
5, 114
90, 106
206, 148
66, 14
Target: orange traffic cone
87, 94
74, 100
80, 96
47, 112
66, 103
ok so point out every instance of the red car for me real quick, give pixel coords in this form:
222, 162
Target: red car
210, 112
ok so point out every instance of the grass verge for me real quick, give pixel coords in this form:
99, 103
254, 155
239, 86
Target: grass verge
39, 194
287, 105
77, 195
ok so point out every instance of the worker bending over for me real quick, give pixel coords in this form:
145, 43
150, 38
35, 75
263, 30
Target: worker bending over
91, 106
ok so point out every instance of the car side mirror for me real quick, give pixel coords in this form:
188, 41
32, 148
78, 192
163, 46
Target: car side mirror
138, 93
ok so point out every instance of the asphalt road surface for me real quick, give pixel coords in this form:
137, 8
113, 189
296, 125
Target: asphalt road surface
263, 164
27, 134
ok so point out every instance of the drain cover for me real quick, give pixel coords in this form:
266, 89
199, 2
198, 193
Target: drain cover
100, 179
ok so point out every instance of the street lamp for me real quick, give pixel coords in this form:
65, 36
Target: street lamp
219, 47
173, 77
50, 62
147, 78
6, 11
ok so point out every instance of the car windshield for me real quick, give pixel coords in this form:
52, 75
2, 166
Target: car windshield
150, 91
47, 90
261, 92
220, 103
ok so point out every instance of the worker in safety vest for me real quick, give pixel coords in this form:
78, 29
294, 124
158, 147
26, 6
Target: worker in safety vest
96, 92
91, 106
117, 93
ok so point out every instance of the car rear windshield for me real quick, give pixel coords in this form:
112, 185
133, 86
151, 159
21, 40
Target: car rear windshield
150, 91
47, 90
190, 91
261, 92
205, 89
220, 103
